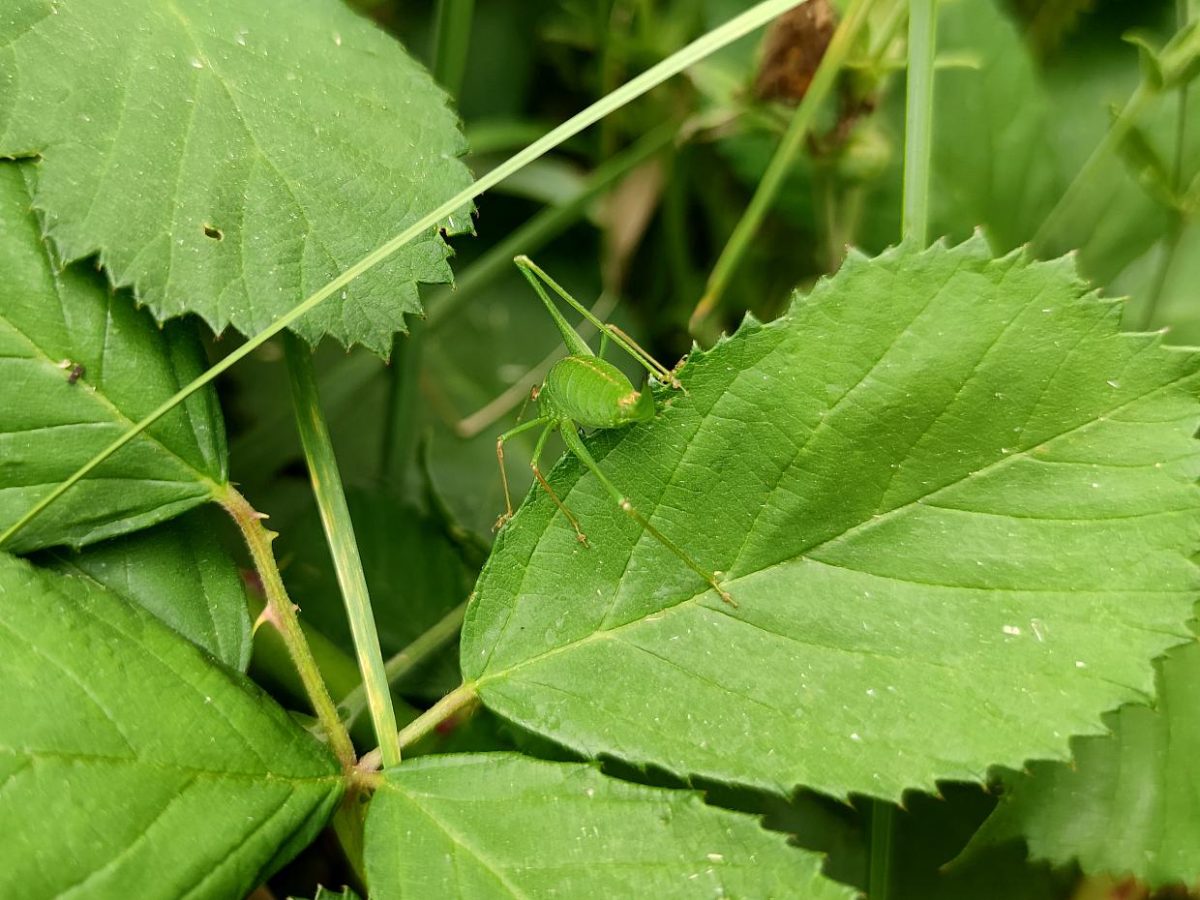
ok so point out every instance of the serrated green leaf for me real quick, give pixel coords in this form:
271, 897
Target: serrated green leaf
414, 574
228, 158
1129, 804
491, 825
944, 489
181, 572
132, 765
78, 366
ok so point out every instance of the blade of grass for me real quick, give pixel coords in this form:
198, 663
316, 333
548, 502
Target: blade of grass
339, 533
918, 120
257, 453
451, 43
408, 659
781, 163
545, 226
735, 28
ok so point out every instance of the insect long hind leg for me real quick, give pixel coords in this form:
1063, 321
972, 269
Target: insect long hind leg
511, 433
537, 473
530, 269
576, 446
652, 365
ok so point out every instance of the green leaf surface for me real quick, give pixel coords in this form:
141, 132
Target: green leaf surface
1129, 804
134, 764
992, 164
182, 572
78, 366
229, 158
944, 489
414, 574
495, 825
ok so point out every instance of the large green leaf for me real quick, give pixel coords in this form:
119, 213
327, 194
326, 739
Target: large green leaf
78, 366
491, 825
1130, 802
131, 763
956, 512
180, 571
228, 158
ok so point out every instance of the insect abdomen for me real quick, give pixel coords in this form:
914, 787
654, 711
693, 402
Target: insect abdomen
593, 394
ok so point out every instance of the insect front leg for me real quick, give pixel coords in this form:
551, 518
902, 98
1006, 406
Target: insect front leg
537, 473
661, 372
576, 446
511, 433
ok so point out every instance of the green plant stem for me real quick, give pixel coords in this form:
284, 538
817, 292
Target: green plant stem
401, 405
544, 227
1130, 113
408, 659
918, 120
282, 615
452, 42
1178, 219
781, 163
459, 698
451, 45
339, 533
753, 18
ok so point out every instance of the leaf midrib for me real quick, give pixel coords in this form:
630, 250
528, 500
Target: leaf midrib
603, 634
119, 417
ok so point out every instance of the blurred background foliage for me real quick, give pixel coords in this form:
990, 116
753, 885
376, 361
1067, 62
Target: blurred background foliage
633, 214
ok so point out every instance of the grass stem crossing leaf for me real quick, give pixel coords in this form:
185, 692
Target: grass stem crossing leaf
228, 158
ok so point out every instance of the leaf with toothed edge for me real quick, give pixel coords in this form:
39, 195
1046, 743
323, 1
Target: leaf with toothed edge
489, 825
182, 573
229, 158
79, 365
134, 764
1142, 776
956, 510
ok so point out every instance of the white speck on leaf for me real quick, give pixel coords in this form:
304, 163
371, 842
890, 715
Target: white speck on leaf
1011, 629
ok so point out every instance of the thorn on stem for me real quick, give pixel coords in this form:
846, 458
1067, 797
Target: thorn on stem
268, 616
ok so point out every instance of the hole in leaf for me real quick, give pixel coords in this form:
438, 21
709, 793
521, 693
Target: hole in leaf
215, 233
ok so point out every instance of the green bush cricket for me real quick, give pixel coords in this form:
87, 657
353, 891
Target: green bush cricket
582, 390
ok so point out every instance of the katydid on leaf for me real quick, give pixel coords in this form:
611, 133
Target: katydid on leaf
582, 390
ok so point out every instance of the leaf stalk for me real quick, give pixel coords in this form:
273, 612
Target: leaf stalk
282, 614
458, 699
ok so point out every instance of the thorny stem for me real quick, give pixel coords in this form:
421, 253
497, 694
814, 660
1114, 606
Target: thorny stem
461, 697
281, 613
